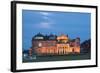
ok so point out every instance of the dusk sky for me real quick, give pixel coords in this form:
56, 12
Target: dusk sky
74, 24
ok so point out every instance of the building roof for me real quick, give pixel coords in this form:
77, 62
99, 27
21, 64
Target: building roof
63, 36
39, 35
51, 35
45, 37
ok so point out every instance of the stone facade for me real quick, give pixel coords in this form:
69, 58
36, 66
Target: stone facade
54, 45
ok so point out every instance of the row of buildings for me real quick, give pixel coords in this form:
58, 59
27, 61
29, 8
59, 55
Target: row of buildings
54, 45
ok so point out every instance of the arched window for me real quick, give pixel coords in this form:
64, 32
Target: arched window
73, 50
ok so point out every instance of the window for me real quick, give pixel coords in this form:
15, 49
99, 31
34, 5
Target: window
40, 44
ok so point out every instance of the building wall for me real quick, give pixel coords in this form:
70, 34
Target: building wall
63, 38
60, 49
60, 46
46, 50
63, 48
44, 43
76, 49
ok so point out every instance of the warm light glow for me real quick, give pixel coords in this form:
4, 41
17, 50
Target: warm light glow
60, 47
63, 38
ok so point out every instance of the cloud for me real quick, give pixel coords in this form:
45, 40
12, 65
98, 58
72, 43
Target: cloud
46, 16
44, 13
47, 21
44, 25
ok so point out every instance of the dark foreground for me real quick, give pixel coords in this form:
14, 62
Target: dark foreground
83, 56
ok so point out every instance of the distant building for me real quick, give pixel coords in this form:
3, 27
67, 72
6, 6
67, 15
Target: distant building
54, 45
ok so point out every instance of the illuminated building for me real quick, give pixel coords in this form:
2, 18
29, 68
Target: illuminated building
63, 38
54, 45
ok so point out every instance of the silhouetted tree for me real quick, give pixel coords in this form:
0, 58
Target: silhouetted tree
86, 46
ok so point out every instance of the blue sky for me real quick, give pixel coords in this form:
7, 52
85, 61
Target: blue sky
75, 24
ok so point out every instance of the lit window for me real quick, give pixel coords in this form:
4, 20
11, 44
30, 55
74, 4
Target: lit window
40, 44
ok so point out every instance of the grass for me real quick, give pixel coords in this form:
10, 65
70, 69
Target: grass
58, 58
